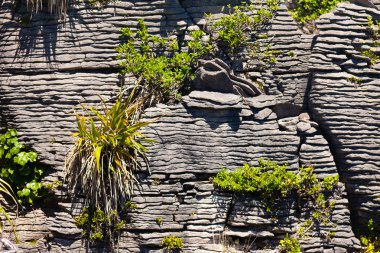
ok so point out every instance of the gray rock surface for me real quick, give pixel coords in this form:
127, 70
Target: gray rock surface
215, 75
48, 68
348, 112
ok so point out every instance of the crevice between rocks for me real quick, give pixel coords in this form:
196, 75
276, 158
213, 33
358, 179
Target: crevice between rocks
331, 141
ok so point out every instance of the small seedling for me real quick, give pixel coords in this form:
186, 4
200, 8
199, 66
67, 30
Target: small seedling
129, 205
172, 243
159, 221
156, 181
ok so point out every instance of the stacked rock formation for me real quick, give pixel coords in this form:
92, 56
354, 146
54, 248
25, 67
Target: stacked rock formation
344, 99
48, 67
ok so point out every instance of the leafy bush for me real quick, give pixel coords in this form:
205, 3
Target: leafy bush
289, 245
370, 239
162, 68
161, 74
20, 169
235, 30
373, 28
172, 243
103, 161
96, 224
372, 56
309, 10
272, 181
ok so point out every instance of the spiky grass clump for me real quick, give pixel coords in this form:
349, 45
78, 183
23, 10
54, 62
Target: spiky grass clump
6, 190
58, 7
102, 163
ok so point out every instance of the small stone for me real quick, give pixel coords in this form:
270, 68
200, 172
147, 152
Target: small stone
213, 100
261, 101
288, 124
246, 112
314, 124
312, 130
263, 114
305, 117
303, 126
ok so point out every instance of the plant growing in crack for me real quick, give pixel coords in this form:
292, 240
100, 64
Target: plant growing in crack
271, 182
101, 166
172, 244
370, 239
164, 67
158, 64
245, 27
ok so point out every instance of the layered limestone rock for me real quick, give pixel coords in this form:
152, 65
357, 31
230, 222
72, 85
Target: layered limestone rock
344, 99
47, 68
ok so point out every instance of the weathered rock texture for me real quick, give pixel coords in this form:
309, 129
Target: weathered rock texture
348, 110
46, 69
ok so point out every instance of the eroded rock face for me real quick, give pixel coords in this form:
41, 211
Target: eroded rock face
51, 68
344, 99
194, 142
215, 75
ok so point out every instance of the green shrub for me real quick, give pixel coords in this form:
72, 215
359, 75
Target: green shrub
268, 179
372, 56
6, 191
172, 243
159, 221
370, 239
272, 181
162, 69
129, 205
96, 224
309, 10
373, 28
243, 27
355, 80
20, 169
159, 76
103, 162
235, 30
289, 245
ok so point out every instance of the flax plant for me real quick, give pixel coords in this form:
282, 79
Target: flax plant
58, 7
103, 162
6, 190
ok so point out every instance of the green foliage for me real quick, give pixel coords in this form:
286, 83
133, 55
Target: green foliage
235, 30
370, 240
129, 205
292, 54
103, 160
309, 10
162, 74
172, 243
268, 179
372, 56
159, 221
289, 245
272, 181
373, 27
355, 80
19, 168
96, 224
162, 68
